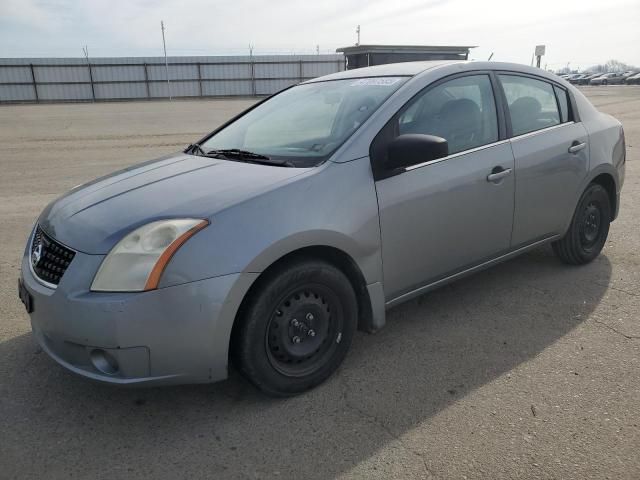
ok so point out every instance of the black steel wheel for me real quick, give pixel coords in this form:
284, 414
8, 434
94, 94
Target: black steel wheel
304, 330
589, 228
296, 328
589, 225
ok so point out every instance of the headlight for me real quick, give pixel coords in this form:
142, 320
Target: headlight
138, 260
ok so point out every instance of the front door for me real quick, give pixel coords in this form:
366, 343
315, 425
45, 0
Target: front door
452, 213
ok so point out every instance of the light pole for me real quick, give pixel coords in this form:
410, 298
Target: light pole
166, 63
85, 50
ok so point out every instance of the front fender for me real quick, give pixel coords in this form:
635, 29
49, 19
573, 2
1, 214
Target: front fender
317, 238
335, 206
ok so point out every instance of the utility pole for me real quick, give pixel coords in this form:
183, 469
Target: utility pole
253, 71
358, 33
166, 62
85, 50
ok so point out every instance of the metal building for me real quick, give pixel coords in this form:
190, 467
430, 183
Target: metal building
139, 78
367, 55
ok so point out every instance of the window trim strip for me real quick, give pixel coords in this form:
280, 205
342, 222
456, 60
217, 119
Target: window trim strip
488, 145
546, 129
457, 154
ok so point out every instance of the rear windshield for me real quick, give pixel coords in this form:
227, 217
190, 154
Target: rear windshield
305, 124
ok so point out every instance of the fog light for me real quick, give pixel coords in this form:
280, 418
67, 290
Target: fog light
104, 361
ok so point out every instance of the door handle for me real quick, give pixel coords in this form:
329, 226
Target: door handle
498, 173
576, 146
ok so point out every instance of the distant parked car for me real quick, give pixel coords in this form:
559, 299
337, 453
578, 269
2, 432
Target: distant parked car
627, 75
633, 79
571, 78
576, 79
597, 80
588, 77
612, 78
618, 79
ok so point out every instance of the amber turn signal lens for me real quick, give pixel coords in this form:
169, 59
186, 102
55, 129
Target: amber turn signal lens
154, 277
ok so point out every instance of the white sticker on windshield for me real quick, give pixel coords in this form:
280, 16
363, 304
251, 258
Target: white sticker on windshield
381, 81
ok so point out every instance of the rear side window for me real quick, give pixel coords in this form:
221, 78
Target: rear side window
532, 103
461, 110
563, 103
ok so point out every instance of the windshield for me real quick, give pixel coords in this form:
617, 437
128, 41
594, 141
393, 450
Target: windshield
305, 124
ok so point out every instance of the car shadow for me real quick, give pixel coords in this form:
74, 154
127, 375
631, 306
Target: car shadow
434, 351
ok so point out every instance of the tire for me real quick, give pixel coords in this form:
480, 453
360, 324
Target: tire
589, 228
296, 328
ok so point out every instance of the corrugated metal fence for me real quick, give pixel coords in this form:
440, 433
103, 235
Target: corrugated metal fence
135, 78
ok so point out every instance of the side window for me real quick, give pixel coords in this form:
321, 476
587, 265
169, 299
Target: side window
462, 111
563, 102
532, 103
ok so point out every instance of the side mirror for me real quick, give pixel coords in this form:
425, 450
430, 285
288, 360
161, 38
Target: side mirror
413, 149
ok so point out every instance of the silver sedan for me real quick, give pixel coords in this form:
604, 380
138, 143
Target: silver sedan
275, 237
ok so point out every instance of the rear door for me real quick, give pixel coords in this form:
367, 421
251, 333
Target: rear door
551, 151
443, 216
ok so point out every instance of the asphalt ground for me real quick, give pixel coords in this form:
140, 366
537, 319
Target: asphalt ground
528, 370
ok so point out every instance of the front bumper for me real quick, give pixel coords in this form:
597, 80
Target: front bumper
172, 335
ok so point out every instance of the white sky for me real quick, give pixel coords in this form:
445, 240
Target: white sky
583, 32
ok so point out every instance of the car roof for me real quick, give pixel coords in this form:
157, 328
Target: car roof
411, 69
404, 69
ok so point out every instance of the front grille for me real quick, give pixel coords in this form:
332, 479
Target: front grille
49, 259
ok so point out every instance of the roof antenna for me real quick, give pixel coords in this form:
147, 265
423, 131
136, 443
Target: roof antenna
490, 57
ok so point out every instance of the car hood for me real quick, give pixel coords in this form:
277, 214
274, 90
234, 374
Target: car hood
93, 217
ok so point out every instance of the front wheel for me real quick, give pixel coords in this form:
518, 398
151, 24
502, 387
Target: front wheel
589, 228
296, 328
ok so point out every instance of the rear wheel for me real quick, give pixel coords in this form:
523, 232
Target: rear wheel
296, 328
589, 228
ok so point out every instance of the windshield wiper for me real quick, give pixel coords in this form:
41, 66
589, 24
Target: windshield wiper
244, 155
237, 153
